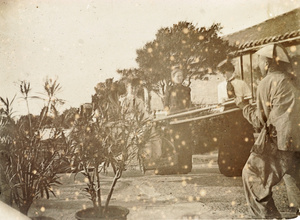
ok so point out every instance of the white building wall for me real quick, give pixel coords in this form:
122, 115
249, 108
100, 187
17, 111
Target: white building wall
206, 91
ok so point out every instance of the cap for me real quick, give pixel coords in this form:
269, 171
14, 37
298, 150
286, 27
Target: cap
134, 81
274, 51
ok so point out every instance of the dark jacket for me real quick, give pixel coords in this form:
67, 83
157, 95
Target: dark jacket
177, 97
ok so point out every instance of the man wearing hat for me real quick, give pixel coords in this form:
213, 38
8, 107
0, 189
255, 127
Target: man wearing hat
275, 154
132, 101
232, 87
133, 105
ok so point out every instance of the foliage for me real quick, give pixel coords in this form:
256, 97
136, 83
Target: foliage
128, 74
90, 141
6, 121
112, 137
105, 100
32, 158
197, 51
67, 118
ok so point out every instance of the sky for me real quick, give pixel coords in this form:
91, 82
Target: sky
83, 42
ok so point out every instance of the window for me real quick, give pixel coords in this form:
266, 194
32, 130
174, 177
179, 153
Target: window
247, 69
256, 74
237, 66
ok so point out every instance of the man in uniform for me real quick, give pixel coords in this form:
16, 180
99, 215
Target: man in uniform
275, 154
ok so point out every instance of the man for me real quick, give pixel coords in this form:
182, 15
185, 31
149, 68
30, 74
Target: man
133, 106
232, 87
275, 154
178, 98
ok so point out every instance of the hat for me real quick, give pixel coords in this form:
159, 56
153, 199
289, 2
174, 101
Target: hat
225, 65
174, 71
134, 81
274, 51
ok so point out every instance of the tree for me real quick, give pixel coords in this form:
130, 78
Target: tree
197, 51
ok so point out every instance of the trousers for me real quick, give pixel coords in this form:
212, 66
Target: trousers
263, 171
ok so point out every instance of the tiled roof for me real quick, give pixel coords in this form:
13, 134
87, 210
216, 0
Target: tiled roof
282, 27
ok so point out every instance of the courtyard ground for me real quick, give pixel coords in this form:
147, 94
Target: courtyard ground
202, 194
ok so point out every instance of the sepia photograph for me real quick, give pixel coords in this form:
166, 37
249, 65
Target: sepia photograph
149, 109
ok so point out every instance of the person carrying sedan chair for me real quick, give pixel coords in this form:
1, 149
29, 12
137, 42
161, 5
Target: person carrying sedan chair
275, 154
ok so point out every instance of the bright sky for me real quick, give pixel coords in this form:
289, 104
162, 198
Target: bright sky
83, 42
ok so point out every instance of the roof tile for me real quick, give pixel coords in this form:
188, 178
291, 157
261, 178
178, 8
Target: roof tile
284, 26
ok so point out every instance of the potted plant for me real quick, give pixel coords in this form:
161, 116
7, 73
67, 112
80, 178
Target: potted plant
31, 158
105, 136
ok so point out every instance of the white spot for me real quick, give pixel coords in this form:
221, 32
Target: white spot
203, 192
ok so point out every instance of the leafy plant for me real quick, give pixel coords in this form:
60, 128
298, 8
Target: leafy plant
6, 131
34, 146
112, 137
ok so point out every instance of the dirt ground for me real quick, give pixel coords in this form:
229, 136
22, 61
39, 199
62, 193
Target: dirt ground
202, 194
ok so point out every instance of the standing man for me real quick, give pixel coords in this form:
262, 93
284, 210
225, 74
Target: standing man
232, 87
134, 106
178, 98
275, 154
